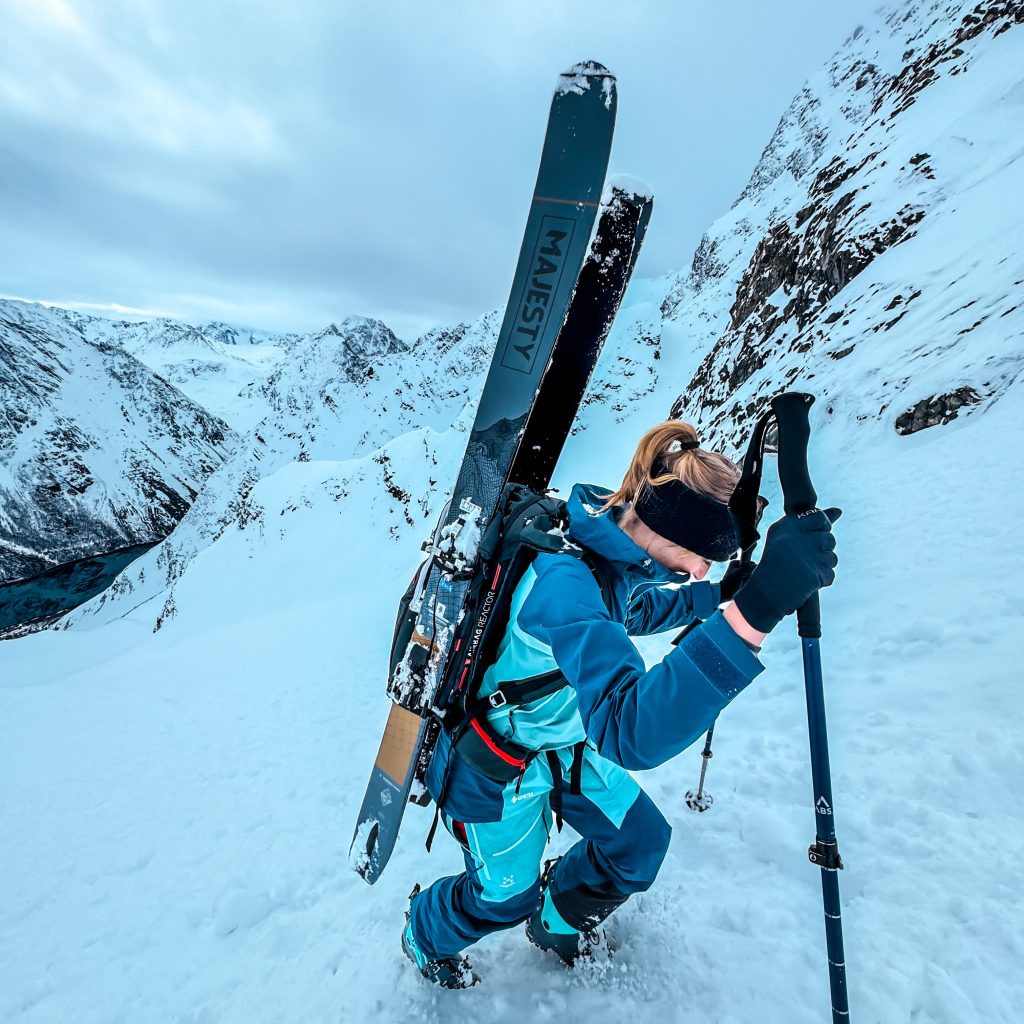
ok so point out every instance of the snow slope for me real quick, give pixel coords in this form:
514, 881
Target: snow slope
182, 764
178, 805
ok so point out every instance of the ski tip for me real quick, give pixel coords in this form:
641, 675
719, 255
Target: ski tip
631, 188
591, 68
580, 77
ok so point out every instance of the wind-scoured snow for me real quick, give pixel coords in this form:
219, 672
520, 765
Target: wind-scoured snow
183, 762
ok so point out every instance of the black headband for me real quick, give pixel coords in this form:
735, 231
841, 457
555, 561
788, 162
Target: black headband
688, 518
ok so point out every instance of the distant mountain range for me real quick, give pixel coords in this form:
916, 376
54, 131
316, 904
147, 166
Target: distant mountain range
108, 431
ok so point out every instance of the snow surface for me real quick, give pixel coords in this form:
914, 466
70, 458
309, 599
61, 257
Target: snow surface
178, 804
181, 766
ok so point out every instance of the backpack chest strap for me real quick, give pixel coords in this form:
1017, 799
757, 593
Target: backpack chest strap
519, 691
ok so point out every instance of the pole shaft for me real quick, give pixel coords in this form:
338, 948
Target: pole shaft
825, 828
704, 758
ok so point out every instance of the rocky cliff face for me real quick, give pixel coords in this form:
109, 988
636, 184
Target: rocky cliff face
875, 257
96, 452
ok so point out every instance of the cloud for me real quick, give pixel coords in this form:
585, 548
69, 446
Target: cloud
297, 162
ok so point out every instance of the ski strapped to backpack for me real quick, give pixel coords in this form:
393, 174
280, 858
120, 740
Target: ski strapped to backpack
526, 523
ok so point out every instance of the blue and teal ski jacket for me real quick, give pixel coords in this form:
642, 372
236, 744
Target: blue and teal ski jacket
634, 716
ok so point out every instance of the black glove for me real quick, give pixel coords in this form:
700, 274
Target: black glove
735, 576
799, 557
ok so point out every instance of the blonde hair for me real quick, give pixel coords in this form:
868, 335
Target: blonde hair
658, 453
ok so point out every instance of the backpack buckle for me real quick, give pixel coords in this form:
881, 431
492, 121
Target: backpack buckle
497, 699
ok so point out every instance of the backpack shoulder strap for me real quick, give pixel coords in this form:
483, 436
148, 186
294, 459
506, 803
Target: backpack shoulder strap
597, 569
522, 691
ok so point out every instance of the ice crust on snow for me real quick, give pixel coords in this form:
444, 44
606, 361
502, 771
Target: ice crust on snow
358, 858
608, 91
463, 539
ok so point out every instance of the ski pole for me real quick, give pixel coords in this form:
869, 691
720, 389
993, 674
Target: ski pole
791, 415
701, 801
747, 507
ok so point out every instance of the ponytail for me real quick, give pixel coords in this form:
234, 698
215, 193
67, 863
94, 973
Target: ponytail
671, 451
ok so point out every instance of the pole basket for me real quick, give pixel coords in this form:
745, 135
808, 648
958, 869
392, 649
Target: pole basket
699, 802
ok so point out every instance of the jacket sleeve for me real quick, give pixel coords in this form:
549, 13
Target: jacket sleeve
656, 609
637, 717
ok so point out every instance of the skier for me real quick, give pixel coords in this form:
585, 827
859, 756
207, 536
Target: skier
668, 522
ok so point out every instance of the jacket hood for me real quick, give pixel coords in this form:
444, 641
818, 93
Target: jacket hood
600, 532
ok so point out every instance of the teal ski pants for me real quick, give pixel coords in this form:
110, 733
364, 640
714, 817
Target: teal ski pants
624, 841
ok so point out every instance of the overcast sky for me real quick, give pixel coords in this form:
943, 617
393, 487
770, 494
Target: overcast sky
285, 163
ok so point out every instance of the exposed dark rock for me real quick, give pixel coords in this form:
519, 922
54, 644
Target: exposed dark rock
936, 411
995, 16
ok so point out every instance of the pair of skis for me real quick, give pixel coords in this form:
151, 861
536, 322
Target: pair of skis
567, 288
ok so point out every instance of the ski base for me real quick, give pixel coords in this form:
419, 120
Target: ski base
387, 793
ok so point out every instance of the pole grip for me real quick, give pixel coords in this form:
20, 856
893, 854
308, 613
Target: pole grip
791, 416
792, 412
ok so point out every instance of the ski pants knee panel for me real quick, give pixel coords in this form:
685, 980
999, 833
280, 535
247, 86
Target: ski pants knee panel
602, 871
647, 836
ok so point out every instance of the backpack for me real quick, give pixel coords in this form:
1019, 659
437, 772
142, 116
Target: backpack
525, 523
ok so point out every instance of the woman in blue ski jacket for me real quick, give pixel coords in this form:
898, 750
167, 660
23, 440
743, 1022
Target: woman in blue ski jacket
667, 523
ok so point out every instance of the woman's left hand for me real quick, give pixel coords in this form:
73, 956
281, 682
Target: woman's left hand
735, 576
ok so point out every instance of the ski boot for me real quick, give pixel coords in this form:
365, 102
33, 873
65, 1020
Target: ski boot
448, 972
548, 930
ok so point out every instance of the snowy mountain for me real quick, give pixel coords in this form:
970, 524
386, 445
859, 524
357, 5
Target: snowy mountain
340, 400
843, 261
182, 854
211, 363
96, 452
71, 387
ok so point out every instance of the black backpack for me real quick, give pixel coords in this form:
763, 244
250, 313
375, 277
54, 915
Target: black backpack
525, 523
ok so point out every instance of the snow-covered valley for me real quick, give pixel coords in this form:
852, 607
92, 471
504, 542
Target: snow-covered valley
181, 762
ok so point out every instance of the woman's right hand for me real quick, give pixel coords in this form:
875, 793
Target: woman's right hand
798, 559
